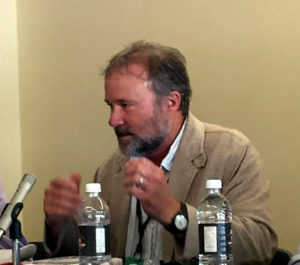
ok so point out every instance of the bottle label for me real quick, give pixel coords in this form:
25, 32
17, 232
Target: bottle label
94, 240
215, 238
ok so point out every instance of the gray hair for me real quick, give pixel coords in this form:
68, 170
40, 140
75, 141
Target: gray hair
166, 68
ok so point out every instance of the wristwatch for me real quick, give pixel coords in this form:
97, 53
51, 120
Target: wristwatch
179, 222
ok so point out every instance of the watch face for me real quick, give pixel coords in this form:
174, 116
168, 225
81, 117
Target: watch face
180, 222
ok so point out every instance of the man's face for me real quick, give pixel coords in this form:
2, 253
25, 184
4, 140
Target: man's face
138, 120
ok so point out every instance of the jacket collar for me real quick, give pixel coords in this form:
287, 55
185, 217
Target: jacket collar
188, 159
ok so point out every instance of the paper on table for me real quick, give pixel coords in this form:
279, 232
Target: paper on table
61, 260
69, 261
5, 255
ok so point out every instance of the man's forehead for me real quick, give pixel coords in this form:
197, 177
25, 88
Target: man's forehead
138, 70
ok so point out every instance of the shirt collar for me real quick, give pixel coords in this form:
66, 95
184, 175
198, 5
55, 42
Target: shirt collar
168, 159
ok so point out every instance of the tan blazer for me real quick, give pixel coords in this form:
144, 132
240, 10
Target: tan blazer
205, 151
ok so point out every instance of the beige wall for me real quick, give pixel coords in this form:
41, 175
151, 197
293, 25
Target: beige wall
10, 145
243, 60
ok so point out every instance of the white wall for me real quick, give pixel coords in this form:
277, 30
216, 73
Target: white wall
10, 146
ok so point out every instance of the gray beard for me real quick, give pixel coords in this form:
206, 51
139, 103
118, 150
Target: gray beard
139, 147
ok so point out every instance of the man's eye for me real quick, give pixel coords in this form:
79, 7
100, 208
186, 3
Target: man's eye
124, 105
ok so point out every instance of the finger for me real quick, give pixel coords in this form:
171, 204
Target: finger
61, 194
135, 179
134, 165
76, 178
135, 191
68, 185
61, 197
146, 168
57, 208
140, 182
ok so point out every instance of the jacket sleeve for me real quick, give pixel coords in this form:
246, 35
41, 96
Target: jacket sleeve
67, 242
253, 237
246, 187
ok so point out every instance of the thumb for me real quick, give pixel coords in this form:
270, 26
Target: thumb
76, 178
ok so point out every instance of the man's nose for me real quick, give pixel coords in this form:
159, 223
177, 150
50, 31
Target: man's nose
116, 117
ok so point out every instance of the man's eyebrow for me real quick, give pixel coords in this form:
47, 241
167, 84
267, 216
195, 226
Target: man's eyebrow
117, 101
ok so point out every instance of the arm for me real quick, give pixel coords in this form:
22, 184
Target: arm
247, 189
254, 238
61, 203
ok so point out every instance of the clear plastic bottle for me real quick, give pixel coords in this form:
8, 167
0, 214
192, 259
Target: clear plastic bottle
214, 220
94, 227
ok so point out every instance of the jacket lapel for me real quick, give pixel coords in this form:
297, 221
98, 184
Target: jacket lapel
188, 159
120, 205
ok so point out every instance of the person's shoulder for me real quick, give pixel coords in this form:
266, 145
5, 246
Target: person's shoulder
228, 145
215, 131
113, 163
225, 132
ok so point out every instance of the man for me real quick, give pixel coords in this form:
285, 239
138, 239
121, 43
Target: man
166, 155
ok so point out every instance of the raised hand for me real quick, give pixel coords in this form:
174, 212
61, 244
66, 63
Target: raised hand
61, 201
146, 181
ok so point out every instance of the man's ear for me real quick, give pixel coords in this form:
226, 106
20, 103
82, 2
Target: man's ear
173, 101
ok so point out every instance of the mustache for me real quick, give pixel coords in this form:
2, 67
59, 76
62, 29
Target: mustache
122, 130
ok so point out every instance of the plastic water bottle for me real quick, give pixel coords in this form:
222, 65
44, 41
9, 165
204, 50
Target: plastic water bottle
94, 227
214, 220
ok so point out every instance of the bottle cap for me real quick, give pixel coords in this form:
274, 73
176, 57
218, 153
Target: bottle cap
213, 184
93, 187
